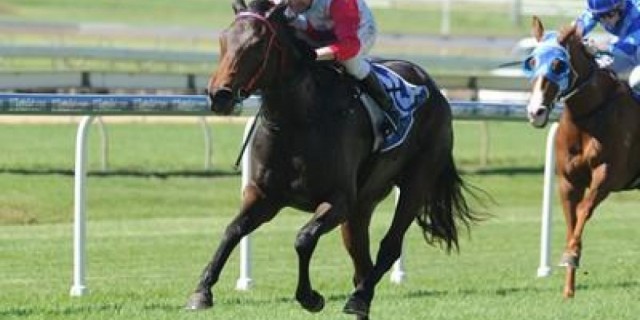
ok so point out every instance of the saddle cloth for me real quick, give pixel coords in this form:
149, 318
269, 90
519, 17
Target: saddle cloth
407, 98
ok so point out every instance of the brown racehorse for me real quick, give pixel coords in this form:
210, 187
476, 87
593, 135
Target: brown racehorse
598, 139
312, 150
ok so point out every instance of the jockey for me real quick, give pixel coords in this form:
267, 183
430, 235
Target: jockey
620, 18
346, 31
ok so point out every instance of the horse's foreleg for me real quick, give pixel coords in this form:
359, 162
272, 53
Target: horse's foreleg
583, 213
390, 250
570, 196
256, 210
592, 198
327, 216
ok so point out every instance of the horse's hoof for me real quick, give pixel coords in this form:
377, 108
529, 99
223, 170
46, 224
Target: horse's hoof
568, 295
199, 301
356, 306
313, 303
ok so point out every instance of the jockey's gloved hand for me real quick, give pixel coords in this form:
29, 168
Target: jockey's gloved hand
604, 59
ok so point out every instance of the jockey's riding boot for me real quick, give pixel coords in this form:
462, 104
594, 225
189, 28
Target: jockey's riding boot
377, 91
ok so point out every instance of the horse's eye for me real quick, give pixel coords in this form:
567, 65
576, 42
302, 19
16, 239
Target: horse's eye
559, 67
530, 64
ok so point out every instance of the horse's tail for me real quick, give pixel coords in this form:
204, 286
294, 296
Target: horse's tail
446, 208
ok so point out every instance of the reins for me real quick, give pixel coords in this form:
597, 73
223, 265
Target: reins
250, 86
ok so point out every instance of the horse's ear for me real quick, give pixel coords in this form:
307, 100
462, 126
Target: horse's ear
578, 30
238, 5
537, 29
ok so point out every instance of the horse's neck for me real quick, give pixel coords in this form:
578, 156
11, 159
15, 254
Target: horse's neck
306, 96
287, 99
592, 98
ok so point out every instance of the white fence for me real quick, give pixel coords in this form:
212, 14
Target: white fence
538, 7
516, 9
95, 105
74, 58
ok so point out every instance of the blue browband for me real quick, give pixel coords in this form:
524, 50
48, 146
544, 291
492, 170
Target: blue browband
542, 59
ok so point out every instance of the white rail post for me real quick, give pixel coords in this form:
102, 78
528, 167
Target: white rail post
445, 21
207, 142
79, 287
245, 282
398, 274
544, 269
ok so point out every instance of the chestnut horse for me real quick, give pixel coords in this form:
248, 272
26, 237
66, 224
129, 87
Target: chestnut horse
312, 150
598, 139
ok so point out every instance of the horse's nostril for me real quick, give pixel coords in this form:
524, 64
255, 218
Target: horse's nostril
221, 100
220, 94
540, 112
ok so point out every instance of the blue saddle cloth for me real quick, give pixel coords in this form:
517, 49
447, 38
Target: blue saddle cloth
407, 99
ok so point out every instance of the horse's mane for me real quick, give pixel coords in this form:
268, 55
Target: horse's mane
571, 34
567, 33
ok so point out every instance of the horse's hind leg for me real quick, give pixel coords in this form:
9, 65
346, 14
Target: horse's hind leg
390, 250
256, 210
425, 173
414, 190
355, 236
327, 216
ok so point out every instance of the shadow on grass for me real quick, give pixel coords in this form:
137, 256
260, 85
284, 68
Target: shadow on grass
93, 307
515, 290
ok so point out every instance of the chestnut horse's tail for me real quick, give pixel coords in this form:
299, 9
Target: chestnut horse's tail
446, 208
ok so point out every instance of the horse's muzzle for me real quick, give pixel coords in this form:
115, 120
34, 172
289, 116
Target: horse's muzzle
539, 117
221, 100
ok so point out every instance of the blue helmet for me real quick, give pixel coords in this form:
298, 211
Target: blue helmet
601, 6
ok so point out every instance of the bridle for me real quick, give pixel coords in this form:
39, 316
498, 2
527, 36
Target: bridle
569, 86
576, 85
244, 91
